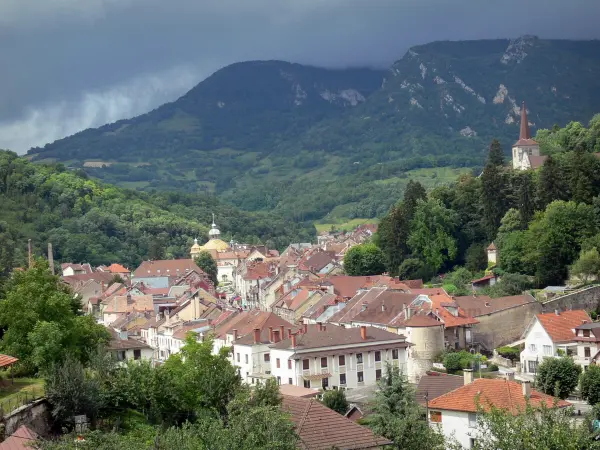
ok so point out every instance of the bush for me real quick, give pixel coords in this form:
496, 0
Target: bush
492, 368
558, 376
507, 352
590, 385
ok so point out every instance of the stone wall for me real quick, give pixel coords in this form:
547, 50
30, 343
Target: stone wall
586, 299
503, 327
35, 415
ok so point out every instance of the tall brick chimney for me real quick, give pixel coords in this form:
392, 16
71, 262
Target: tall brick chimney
276, 336
363, 332
256, 335
293, 341
235, 334
281, 331
289, 333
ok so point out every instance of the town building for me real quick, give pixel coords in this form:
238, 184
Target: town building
526, 151
70, 269
165, 273
329, 356
124, 349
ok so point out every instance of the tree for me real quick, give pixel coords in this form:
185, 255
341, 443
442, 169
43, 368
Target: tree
43, 321
510, 284
524, 189
432, 233
207, 263
557, 376
398, 417
364, 259
336, 400
551, 185
493, 198
587, 266
415, 269
590, 384
496, 155
476, 258
547, 428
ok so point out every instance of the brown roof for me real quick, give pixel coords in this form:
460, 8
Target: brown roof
503, 394
317, 261
537, 161
246, 322
81, 278
116, 343
6, 360
347, 286
119, 304
422, 321
22, 439
117, 268
319, 308
355, 305
297, 391
334, 335
384, 308
492, 246
560, 327
480, 305
166, 268
319, 427
436, 385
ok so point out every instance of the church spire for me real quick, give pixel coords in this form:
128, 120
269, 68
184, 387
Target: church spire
525, 132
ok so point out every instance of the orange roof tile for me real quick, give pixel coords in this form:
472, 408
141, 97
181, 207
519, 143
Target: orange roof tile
6, 360
117, 268
559, 327
499, 393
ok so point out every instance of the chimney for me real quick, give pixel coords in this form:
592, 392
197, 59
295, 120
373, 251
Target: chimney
324, 327
468, 376
557, 312
363, 332
276, 336
270, 334
281, 331
368, 279
293, 341
320, 326
256, 335
235, 334
383, 307
305, 328
50, 258
526, 385
289, 333
129, 300
510, 376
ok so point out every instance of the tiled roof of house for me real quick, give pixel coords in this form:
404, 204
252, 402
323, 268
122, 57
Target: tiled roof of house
422, 321
117, 343
6, 360
559, 327
166, 268
436, 385
318, 308
119, 304
347, 286
263, 323
317, 261
503, 394
332, 335
100, 277
348, 312
22, 439
480, 305
247, 321
321, 428
297, 391
384, 307
117, 268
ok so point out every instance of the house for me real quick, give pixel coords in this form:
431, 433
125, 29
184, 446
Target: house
24, 438
126, 349
551, 334
486, 281
587, 337
320, 428
435, 384
164, 273
455, 413
502, 320
336, 357
322, 309
70, 269
294, 303
119, 305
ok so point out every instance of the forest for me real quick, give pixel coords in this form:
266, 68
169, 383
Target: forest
544, 223
89, 221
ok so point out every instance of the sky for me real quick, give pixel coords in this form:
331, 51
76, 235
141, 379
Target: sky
67, 65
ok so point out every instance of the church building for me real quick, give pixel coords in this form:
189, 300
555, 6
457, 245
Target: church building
526, 151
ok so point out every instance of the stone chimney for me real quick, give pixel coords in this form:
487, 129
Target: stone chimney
526, 385
235, 334
270, 334
510, 376
305, 327
468, 376
363, 332
319, 326
257, 335
293, 341
276, 336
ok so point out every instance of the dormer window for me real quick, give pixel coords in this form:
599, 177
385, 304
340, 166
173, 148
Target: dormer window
586, 333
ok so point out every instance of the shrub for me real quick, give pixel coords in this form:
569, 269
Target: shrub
507, 352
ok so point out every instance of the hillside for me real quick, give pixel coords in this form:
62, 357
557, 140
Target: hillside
88, 221
313, 143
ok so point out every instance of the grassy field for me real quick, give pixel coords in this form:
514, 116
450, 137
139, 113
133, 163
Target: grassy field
19, 392
345, 226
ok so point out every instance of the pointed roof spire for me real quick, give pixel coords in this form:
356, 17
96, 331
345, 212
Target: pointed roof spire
525, 132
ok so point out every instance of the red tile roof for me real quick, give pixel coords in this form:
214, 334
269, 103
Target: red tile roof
246, 322
6, 360
166, 268
559, 327
321, 428
22, 439
503, 394
117, 268
347, 286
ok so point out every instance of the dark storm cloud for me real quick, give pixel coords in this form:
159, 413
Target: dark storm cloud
71, 64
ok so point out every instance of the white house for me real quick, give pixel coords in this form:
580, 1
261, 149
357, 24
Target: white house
549, 335
336, 357
126, 349
455, 413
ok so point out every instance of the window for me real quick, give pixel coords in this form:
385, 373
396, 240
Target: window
342, 360
238, 357
360, 377
278, 380
587, 352
137, 354
305, 364
277, 362
378, 374
532, 366
395, 353
267, 357
307, 384
532, 348
289, 364
325, 382
246, 358
359, 359
324, 362
472, 420
290, 381
586, 333
342, 378
548, 350
121, 355
377, 356
435, 416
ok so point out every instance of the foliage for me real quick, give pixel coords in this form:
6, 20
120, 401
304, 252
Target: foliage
208, 264
587, 266
397, 416
590, 384
364, 259
336, 400
549, 428
511, 353
456, 361
476, 258
43, 322
414, 269
558, 376
509, 284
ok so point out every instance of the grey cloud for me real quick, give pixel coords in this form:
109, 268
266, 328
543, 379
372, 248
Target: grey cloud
65, 63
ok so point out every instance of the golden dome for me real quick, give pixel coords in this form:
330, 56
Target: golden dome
215, 244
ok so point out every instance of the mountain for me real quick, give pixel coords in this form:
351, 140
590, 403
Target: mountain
313, 143
89, 221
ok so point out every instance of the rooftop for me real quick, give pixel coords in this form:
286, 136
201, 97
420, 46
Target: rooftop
437, 385
22, 439
166, 268
560, 325
480, 305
